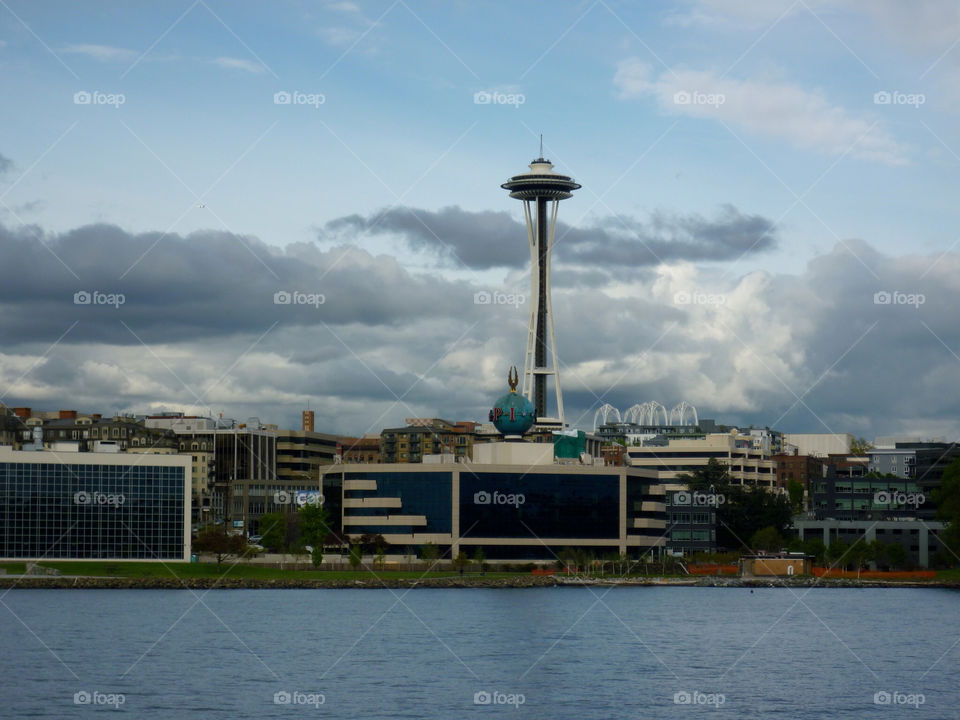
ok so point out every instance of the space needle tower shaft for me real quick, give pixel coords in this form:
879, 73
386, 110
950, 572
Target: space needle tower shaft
541, 190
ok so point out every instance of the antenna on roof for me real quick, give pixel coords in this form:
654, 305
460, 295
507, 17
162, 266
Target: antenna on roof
541, 144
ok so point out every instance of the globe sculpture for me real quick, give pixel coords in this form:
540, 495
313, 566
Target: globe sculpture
513, 414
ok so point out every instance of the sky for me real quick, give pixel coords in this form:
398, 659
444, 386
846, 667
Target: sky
766, 227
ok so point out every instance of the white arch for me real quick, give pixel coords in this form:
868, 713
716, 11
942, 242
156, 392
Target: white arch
654, 409
682, 412
633, 414
605, 411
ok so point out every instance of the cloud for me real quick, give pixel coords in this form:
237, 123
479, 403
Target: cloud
742, 349
344, 7
6, 164
807, 120
487, 239
230, 63
338, 36
104, 53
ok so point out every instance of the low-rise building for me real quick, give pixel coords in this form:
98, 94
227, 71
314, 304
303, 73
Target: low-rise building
919, 538
512, 512
93, 506
364, 449
746, 464
427, 436
802, 468
818, 444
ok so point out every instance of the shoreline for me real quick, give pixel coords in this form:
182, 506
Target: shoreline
33, 582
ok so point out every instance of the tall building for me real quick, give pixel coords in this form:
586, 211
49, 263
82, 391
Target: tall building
541, 190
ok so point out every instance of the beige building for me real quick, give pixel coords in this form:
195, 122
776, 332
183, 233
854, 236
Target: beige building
747, 464
818, 444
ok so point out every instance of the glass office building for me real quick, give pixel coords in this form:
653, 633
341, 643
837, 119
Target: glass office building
512, 512
92, 506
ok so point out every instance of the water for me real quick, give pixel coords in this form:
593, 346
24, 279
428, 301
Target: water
584, 653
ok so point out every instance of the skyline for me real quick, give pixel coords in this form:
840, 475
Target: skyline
724, 252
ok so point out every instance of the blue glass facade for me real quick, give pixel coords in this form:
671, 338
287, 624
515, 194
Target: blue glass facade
541, 505
510, 511
429, 494
54, 510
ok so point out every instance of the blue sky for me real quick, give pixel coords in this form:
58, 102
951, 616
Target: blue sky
796, 138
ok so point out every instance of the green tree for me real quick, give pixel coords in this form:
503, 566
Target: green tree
371, 542
740, 512
481, 560
380, 557
896, 556
273, 531
947, 497
219, 543
836, 553
816, 549
429, 552
795, 492
356, 555
860, 446
314, 529
767, 539
461, 561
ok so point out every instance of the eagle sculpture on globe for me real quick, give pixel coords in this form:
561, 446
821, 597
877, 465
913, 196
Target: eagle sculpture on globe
513, 414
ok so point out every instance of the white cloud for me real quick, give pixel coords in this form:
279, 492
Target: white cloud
230, 63
805, 119
338, 36
104, 53
346, 7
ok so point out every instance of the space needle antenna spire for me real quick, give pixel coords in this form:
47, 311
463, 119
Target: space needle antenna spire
541, 190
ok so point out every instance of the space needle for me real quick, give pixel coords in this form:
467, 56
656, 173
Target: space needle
541, 191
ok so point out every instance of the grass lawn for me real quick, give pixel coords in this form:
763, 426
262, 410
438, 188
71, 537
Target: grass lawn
244, 570
210, 570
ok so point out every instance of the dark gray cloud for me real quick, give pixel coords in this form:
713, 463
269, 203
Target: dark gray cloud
6, 164
179, 288
483, 240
